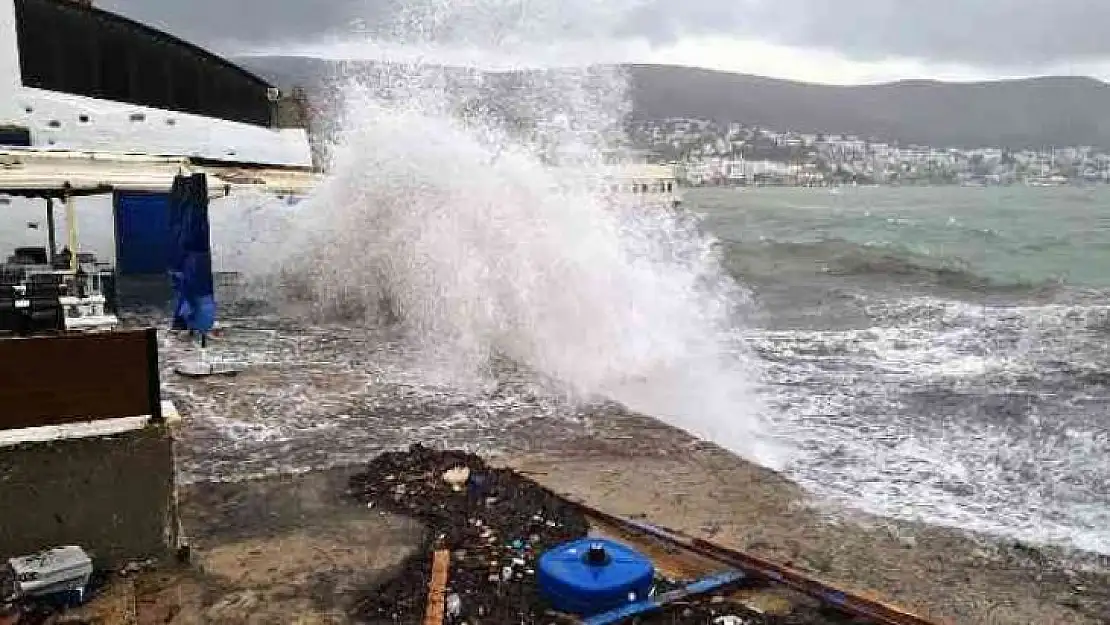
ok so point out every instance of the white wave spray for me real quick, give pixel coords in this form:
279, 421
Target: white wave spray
469, 207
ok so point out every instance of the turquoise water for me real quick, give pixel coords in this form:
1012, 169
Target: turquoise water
940, 354
1006, 236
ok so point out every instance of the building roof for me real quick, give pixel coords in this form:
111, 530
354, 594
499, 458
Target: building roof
88, 7
56, 173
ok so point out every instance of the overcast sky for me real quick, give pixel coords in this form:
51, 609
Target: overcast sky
835, 41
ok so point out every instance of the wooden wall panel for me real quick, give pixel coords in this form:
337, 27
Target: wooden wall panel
53, 380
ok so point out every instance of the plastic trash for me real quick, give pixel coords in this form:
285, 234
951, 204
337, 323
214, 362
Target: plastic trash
60, 574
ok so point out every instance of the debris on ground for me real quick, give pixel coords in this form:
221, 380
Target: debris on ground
496, 523
457, 477
40, 587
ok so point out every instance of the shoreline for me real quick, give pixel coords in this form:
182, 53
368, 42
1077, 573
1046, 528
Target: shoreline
945, 574
612, 432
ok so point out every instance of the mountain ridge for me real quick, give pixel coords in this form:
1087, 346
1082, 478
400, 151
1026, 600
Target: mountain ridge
1010, 113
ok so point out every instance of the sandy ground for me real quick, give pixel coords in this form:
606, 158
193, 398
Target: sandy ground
291, 550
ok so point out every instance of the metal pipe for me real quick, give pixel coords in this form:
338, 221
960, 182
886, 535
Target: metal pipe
828, 594
706, 585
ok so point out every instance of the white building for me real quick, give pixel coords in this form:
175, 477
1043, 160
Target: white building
77, 78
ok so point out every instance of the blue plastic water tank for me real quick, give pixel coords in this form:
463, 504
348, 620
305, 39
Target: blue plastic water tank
593, 575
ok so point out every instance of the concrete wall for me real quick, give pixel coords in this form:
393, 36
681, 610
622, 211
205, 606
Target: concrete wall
113, 496
55, 121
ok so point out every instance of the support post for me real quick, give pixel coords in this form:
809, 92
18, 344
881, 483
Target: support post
71, 228
52, 234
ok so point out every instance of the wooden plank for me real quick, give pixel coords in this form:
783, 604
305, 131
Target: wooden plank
70, 378
437, 588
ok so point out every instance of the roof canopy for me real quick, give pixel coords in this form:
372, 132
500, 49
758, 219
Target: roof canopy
53, 173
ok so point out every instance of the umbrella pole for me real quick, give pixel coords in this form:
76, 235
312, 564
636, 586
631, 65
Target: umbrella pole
205, 365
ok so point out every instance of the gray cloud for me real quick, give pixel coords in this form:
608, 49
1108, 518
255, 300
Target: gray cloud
981, 32
223, 24
229, 25
999, 33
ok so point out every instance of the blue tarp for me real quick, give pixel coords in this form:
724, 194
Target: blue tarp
190, 257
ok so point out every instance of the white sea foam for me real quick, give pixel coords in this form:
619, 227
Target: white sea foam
474, 223
952, 417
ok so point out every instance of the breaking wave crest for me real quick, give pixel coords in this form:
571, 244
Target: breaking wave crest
482, 235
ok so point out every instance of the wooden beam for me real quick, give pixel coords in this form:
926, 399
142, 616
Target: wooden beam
57, 173
437, 588
71, 232
854, 603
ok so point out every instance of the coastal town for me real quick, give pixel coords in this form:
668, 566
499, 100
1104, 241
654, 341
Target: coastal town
708, 153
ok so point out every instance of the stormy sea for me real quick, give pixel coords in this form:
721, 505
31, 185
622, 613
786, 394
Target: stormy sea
936, 354
923, 353
461, 278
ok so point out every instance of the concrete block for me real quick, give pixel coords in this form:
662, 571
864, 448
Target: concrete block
111, 492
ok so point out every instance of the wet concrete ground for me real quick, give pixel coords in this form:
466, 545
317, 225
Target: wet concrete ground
289, 549
283, 550
315, 400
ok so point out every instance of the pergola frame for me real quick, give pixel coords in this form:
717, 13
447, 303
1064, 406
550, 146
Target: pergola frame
66, 175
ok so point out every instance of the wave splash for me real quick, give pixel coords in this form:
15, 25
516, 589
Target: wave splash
478, 229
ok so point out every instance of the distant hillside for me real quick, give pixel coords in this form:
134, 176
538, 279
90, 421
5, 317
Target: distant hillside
1018, 113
